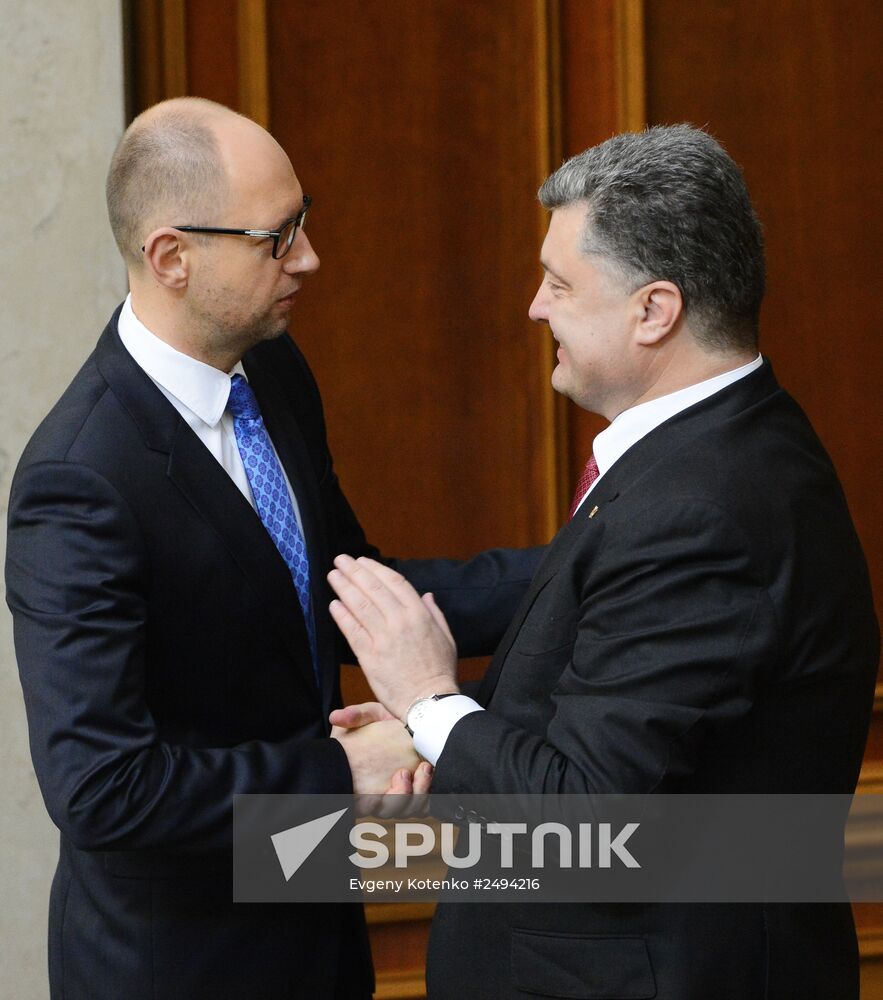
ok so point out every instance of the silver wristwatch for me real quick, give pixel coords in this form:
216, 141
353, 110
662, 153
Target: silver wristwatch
418, 709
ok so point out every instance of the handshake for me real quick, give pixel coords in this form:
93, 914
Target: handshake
406, 650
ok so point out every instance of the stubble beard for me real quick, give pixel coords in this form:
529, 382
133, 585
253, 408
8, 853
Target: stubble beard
225, 336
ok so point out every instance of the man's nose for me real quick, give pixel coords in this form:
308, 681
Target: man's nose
301, 258
538, 310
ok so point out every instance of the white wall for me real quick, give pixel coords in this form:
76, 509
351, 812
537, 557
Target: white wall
61, 113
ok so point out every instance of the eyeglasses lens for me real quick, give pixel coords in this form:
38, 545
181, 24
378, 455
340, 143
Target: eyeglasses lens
286, 238
288, 232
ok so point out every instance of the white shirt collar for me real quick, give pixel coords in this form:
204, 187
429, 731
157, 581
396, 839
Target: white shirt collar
202, 389
633, 424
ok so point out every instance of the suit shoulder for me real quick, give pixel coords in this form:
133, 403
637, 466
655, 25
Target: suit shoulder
64, 422
86, 425
740, 454
774, 444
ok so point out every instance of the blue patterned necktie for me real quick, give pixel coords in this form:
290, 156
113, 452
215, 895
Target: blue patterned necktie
271, 496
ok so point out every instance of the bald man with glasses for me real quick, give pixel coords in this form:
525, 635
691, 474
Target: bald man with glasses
171, 525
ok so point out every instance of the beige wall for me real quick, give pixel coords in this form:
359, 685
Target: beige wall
61, 112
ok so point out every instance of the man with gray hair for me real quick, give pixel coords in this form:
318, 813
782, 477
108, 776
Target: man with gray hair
170, 527
702, 623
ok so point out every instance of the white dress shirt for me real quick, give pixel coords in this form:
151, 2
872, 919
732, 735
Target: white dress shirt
433, 729
197, 391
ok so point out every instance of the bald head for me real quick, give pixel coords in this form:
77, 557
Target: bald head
169, 168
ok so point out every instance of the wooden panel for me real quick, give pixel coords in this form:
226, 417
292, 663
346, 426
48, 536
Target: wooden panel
218, 49
791, 89
589, 92
631, 72
416, 129
869, 921
400, 947
869, 916
251, 28
157, 30
212, 50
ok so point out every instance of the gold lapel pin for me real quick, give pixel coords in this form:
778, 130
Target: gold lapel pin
593, 512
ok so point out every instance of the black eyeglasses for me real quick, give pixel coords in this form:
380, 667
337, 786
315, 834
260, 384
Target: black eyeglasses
283, 237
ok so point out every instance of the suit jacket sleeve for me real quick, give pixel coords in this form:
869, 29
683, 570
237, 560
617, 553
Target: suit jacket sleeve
478, 596
76, 567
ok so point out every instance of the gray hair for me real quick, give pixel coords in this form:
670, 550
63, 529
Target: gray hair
166, 170
669, 204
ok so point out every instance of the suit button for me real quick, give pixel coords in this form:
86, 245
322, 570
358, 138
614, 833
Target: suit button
459, 812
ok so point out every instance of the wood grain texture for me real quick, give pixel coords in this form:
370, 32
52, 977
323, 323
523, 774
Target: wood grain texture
549, 152
213, 50
869, 922
401, 984
415, 128
174, 34
631, 89
399, 945
251, 28
158, 52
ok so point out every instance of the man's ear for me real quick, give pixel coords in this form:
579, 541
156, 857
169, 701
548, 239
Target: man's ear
165, 257
661, 306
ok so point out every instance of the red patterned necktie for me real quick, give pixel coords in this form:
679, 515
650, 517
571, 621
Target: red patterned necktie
589, 475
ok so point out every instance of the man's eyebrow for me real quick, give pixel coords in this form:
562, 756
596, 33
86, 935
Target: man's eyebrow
285, 218
551, 271
290, 213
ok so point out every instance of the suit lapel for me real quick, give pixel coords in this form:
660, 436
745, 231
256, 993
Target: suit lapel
558, 550
211, 491
206, 485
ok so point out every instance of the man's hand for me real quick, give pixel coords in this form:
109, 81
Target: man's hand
402, 785
401, 640
375, 752
356, 716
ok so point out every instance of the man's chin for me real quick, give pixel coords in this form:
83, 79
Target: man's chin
273, 330
559, 381
564, 386
259, 334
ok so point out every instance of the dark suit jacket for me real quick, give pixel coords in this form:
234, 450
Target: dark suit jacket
166, 667
709, 628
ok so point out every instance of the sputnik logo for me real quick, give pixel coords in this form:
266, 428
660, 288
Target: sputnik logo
294, 845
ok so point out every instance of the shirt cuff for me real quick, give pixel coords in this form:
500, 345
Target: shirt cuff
432, 731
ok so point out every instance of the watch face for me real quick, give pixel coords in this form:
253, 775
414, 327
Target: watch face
417, 711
